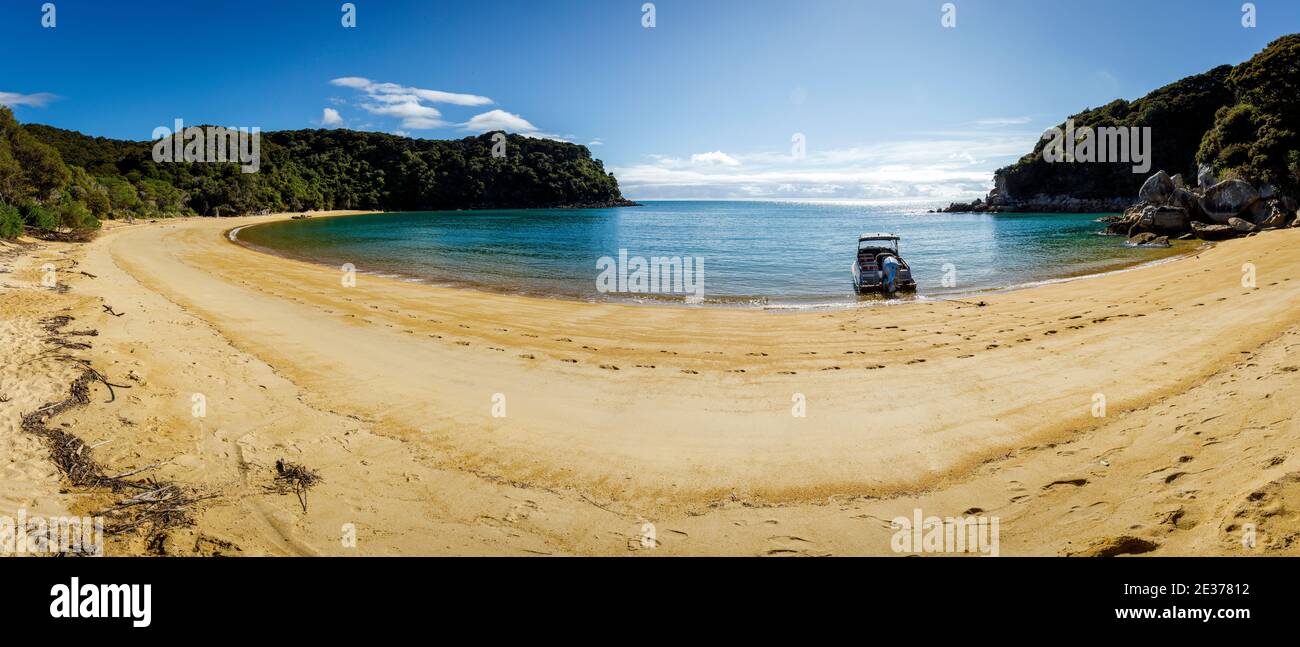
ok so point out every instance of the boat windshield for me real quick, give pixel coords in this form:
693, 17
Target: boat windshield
889, 243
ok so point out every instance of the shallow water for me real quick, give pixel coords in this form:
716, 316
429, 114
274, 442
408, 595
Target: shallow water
773, 253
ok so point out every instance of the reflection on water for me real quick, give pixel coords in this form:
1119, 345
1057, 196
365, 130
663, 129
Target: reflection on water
762, 253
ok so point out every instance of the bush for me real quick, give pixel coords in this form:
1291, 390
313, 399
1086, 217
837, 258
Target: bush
75, 216
11, 222
1255, 138
38, 217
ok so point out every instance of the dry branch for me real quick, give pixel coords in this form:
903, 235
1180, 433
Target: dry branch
294, 478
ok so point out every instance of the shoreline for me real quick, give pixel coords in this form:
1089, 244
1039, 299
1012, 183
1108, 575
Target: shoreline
766, 303
682, 417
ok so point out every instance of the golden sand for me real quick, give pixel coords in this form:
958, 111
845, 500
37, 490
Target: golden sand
622, 418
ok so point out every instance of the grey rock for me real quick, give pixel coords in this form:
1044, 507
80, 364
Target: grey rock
1205, 176
1163, 218
1212, 232
1242, 226
1187, 200
1157, 189
1276, 218
1228, 199
1177, 179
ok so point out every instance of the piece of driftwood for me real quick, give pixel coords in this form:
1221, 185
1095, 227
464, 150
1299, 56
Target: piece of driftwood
294, 478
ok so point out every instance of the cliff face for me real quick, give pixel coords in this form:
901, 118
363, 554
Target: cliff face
1242, 122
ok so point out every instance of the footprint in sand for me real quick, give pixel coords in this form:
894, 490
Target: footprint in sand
1074, 482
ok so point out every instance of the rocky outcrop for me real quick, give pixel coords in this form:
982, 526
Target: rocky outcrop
995, 203
1210, 211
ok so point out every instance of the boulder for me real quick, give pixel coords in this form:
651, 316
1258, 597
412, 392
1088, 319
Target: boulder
1187, 200
1177, 179
1205, 176
1267, 191
1276, 218
1242, 226
1142, 239
1212, 232
1157, 189
1228, 199
1163, 218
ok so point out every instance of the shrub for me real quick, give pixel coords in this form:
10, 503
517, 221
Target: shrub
11, 222
38, 217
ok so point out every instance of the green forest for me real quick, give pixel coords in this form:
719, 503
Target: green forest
61, 183
1243, 121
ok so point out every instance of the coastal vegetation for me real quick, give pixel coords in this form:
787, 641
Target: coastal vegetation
63, 183
1233, 123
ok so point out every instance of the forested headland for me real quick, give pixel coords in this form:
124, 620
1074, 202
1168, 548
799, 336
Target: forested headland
63, 183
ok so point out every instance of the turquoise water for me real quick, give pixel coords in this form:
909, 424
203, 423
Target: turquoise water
769, 253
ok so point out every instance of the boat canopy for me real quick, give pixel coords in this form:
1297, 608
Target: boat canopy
878, 236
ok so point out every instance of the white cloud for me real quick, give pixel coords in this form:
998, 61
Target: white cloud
409, 104
498, 120
714, 158
1003, 121
38, 100
955, 166
331, 117
596, 142
414, 108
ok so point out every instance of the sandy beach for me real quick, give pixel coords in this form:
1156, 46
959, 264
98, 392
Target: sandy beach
618, 418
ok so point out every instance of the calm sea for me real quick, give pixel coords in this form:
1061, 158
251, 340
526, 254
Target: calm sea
760, 253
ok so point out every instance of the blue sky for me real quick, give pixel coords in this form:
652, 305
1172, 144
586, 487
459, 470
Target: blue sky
890, 103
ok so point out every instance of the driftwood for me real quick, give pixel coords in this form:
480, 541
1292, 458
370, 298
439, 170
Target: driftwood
295, 479
109, 310
151, 505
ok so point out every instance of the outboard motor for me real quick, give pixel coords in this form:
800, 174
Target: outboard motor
889, 271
